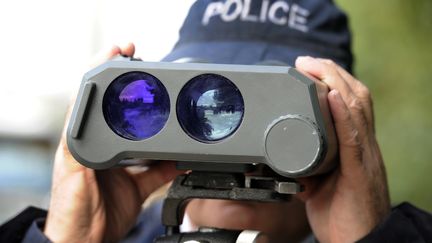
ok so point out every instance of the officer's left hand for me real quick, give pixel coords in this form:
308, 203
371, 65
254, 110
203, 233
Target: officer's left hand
347, 204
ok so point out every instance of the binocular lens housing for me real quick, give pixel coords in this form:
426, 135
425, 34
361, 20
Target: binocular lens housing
136, 106
210, 108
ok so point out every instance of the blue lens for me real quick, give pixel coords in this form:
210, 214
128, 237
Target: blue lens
136, 106
210, 108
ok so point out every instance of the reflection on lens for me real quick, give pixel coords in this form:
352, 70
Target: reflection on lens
210, 108
136, 106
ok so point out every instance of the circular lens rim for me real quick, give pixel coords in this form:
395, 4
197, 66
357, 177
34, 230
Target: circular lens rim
192, 81
117, 91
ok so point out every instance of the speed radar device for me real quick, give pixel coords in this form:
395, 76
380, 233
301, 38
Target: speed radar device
230, 115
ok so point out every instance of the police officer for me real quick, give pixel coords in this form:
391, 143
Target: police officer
349, 204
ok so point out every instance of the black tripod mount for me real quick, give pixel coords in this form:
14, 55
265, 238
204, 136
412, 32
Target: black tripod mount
219, 185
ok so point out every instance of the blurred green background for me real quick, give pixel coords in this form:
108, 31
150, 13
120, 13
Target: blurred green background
393, 48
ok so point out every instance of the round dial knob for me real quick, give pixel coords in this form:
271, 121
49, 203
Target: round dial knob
293, 145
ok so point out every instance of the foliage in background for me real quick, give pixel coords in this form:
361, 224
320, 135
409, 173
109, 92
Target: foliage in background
393, 49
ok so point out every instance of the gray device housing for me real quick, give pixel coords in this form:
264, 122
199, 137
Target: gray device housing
286, 123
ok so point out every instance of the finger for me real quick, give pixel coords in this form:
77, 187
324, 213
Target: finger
156, 176
114, 51
347, 76
64, 162
66, 167
360, 90
356, 86
326, 73
348, 136
64, 159
128, 50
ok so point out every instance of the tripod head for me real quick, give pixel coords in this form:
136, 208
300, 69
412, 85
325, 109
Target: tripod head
202, 183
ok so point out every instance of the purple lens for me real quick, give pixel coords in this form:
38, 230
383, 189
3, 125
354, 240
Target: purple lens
210, 108
136, 106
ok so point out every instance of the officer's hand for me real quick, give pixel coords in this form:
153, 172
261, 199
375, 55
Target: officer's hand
96, 206
347, 204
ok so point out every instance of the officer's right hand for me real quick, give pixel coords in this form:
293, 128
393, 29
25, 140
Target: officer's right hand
95, 206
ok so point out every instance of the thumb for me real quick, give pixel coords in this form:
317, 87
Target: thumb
156, 176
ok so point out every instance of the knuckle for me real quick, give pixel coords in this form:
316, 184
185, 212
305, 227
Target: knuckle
329, 62
353, 139
355, 104
331, 66
333, 76
363, 91
352, 142
358, 113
